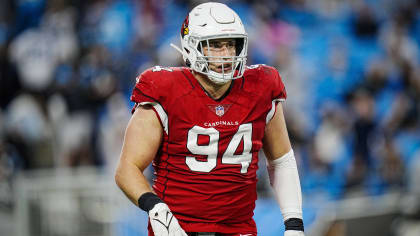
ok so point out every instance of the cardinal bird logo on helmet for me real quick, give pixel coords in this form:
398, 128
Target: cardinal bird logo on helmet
184, 28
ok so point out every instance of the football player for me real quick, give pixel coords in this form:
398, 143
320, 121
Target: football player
202, 127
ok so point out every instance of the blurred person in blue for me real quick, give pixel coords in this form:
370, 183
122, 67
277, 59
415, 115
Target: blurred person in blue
203, 126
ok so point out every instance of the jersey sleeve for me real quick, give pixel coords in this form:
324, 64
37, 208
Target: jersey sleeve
146, 89
149, 90
277, 88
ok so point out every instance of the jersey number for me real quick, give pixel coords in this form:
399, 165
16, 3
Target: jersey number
211, 149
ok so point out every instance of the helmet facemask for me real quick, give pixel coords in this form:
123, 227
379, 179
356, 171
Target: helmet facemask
221, 68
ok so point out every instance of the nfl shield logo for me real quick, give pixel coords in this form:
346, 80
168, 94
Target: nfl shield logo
220, 110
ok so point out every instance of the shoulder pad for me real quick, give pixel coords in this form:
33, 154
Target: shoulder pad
267, 78
159, 84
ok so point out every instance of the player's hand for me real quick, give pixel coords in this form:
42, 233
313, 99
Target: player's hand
293, 233
164, 222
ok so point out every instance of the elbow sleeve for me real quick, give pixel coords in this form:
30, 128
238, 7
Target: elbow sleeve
284, 179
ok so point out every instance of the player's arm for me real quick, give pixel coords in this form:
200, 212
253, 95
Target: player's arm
283, 172
143, 137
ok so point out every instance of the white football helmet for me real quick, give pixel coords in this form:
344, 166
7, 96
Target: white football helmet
209, 21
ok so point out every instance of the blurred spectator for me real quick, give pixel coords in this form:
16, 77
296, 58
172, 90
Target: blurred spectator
397, 42
111, 130
28, 128
391, 167
330, 139
365, 22
9, 78
37, 51
31, 52
364, 130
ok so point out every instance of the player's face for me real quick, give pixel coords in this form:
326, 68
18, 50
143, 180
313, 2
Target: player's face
220, 50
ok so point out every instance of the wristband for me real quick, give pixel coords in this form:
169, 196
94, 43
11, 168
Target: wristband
294, 224
148, 200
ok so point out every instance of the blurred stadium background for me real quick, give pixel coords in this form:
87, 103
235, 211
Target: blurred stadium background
351, 69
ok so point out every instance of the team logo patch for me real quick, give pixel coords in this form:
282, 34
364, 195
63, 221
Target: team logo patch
220, 110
